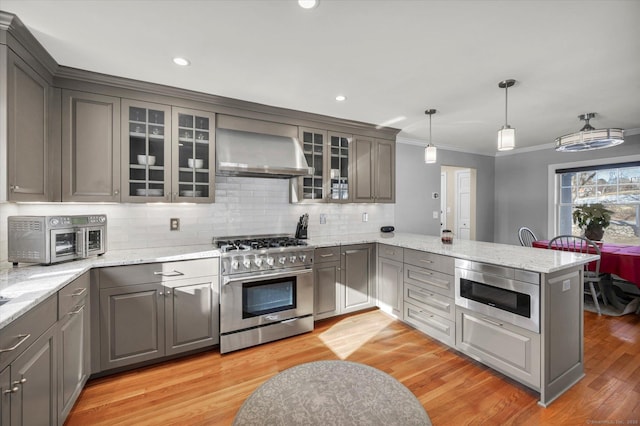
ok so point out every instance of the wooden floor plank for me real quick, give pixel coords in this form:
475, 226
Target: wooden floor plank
209, 388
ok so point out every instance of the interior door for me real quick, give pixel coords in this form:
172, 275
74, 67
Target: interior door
463, 204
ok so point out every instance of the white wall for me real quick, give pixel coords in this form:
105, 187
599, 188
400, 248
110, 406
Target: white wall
243, 206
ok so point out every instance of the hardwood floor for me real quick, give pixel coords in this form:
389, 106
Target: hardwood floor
209, 388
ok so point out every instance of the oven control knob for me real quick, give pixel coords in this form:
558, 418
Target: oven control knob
303, 257
54, 221
292, 259
258, 262
270, 261
282, 260
247, 263
235, 264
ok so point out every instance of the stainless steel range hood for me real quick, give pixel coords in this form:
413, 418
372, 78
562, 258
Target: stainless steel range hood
240, 153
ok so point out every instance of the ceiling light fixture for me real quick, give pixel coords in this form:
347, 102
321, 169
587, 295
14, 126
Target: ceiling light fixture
506, 135
430, 152
589, 138
181, 61
308, 4
341, 98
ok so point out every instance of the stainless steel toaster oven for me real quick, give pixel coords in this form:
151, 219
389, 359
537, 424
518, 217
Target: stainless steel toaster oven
53, 239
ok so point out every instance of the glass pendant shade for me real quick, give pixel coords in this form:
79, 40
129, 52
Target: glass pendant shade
506, 135
430, 154
506, 138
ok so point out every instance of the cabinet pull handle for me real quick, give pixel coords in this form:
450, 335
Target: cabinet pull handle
23, 338
499, 324
326, 255
173, 273
14, 389
116, 192
79, 292
425, 260
168, 292
20, 382
77, 311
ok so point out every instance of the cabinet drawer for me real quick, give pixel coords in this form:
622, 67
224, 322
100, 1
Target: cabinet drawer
507, 348
430, 301
390, 252
326, 254
436, 262
430, 280
157, 272
72, 294
22, 332
430, 324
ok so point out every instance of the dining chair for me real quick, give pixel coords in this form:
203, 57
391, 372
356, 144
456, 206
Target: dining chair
526, 237
591, 275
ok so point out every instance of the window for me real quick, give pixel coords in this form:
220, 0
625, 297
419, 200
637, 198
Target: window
616, 186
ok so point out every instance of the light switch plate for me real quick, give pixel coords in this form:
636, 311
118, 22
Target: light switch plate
365, 217
323, 218
566, 285
174, 224
436, 214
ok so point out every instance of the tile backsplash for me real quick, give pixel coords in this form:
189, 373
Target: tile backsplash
243, 206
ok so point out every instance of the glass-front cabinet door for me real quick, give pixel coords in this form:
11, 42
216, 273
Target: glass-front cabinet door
312, 187
194, 165
338, 168
146, 152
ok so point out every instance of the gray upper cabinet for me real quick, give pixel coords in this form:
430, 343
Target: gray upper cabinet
193, 156
313, 188
27, 106
329, 154
146, 152
374, 170
90, 147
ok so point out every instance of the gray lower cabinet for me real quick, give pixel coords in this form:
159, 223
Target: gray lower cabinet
428, 294
90, 147
74, 349
150, 311
326, 270
357, 272
505, 347
390, 277
5, 396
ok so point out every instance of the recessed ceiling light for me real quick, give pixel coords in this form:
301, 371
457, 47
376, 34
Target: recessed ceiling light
341, 98
308, 4
181, 61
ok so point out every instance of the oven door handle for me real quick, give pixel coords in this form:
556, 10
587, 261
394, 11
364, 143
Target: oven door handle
230, 280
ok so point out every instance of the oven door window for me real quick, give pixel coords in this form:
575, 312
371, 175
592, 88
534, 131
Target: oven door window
266, 297
94, 239
64, 243
507, 300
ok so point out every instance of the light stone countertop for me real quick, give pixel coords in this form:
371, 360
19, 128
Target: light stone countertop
28, 285
527, 258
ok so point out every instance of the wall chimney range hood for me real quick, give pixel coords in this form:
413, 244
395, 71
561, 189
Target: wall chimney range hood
248, 154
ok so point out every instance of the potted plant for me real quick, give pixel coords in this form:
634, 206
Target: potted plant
592, 219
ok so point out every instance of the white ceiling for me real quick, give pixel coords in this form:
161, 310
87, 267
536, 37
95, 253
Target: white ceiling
392, 59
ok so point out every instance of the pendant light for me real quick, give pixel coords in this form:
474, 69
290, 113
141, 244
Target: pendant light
430, 152
506, 135
588, 138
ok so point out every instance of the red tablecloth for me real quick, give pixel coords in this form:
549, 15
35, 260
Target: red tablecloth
619, 259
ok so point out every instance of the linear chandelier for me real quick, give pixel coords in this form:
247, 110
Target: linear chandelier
588, 138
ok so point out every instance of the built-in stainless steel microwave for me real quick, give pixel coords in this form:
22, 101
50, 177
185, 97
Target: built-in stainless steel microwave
53, 239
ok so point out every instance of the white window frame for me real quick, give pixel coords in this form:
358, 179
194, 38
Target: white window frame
552, 184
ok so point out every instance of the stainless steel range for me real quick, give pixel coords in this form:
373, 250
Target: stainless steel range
266, 292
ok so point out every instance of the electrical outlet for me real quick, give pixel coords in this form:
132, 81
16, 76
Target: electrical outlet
365, 217
436, 214
323, 218
174, 224
566, 285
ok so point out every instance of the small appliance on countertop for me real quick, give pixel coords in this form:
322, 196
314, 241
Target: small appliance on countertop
387, 229
53, 239
301, 229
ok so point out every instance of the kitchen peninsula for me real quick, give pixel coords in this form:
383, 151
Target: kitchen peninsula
549, 361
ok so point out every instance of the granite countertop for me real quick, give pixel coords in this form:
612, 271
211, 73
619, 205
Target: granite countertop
527, 258
28, 285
